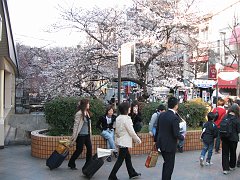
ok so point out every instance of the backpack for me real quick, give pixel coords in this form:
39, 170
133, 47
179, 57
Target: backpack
226, 128
156, 121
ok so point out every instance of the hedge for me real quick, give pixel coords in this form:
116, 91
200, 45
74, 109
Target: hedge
60, 113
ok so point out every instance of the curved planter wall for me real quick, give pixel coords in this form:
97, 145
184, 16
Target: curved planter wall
42, 146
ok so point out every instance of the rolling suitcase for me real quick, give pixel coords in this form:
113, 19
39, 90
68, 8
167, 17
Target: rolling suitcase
55, 160
92, 166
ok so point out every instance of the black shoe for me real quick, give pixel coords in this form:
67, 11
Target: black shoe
109, 159
115, 154
113, 178
72, 168
135, 176
238, 164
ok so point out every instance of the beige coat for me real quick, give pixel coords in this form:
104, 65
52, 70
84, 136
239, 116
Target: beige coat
125, 133
78, 123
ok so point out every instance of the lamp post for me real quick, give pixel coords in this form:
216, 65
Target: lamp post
218, 66
0, 28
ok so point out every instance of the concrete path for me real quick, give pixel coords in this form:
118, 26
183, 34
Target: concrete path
16, 163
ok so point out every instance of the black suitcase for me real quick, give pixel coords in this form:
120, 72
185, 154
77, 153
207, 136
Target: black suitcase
92, 166
56, 159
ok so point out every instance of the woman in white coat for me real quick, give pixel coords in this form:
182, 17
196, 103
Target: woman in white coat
124, 137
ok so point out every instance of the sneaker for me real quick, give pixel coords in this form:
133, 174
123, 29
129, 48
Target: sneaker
232, 169
217, 152
201, 161
109, 159
208, 163
225, 172
180, 149
135, 176
238, 164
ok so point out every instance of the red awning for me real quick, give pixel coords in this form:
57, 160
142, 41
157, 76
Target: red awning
227, 84
235, 37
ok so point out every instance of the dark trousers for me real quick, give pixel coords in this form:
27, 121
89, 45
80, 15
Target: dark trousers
238, 157
81, 140
123, 155
217, 142
168, 165
228, 147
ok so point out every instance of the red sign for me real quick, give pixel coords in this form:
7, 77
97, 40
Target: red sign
212, 72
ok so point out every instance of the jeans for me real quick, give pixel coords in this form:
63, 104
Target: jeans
81, 140
109, 136
228, 148
209, 148
123, 155
217, 142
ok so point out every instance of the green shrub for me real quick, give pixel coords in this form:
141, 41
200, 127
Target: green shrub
193, 112
60, 113
97, 109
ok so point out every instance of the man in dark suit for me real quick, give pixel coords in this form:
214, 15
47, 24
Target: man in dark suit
167, 135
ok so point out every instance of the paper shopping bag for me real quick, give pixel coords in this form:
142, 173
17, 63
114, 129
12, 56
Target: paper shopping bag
152, 158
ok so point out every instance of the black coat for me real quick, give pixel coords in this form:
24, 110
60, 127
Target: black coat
168, 131
210, 132
102, 123
235, 128
137, 121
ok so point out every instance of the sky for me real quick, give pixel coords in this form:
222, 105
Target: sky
30, 20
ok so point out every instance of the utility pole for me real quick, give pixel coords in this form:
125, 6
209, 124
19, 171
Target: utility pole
238, 62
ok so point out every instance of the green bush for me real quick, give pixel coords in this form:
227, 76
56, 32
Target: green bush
193, 112
97, 109
60, 113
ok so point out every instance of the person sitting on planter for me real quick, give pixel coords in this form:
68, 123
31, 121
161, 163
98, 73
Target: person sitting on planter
136, 116
105, 124
81, 133
153, 122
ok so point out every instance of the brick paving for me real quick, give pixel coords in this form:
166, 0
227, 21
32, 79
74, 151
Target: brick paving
16, 163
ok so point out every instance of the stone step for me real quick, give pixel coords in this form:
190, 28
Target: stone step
17, 136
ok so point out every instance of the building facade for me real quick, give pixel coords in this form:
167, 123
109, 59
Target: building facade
8, 70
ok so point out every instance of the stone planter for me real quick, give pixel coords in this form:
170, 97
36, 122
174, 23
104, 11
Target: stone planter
42, 145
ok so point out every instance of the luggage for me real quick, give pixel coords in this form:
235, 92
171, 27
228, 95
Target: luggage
92, 166
55, 160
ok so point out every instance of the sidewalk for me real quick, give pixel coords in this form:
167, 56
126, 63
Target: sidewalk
16, 163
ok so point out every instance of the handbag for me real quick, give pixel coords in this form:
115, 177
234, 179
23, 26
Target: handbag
63, 146
152, 158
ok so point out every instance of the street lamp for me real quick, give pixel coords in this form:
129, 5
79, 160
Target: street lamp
0, 27
218, 66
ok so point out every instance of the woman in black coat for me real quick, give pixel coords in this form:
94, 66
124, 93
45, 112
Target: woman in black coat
136, 116
229, 144
105, 124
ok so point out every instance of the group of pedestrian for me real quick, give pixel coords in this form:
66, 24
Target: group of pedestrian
222, 126
167, 128
123, 136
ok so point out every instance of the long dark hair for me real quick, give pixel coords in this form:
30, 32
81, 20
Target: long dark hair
82, 105
134, 103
